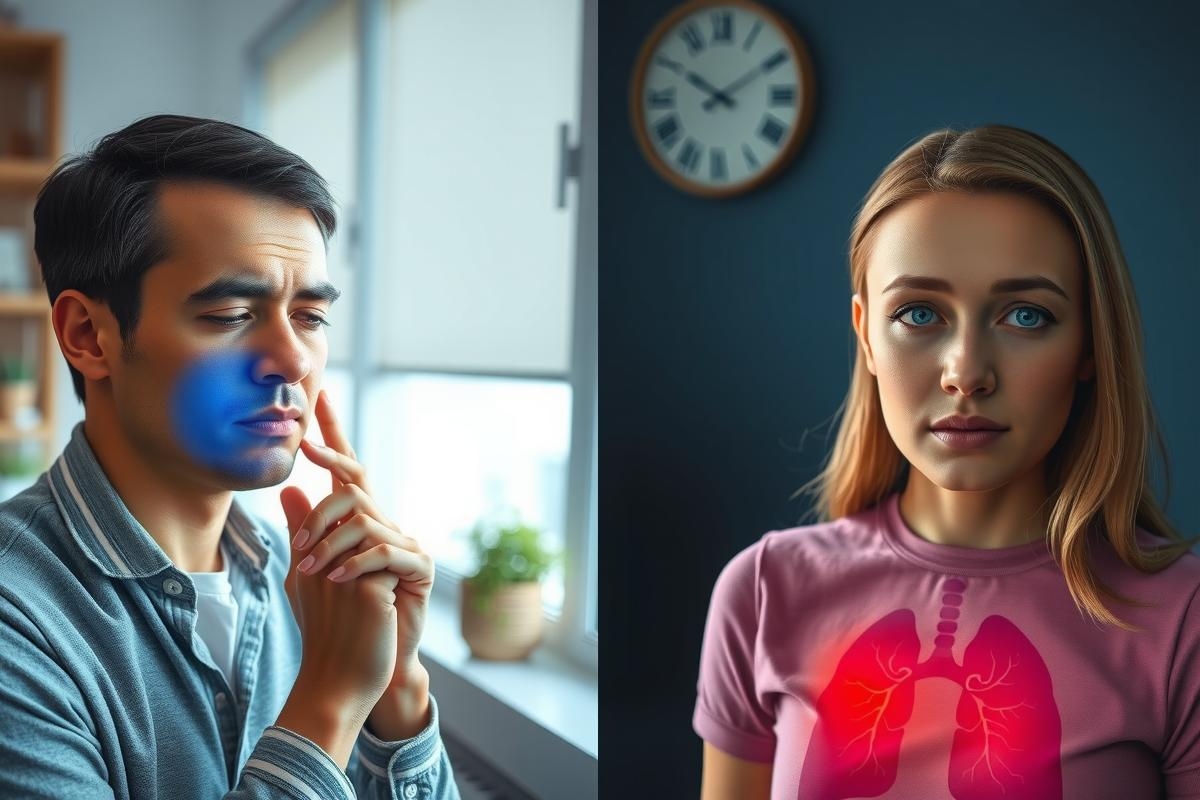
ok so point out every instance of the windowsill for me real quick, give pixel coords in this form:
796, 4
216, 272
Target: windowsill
534, 720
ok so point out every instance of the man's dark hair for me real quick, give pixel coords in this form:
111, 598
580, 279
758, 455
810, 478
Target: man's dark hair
95, 224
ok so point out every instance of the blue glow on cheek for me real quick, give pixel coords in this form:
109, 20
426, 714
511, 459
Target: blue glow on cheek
211, 395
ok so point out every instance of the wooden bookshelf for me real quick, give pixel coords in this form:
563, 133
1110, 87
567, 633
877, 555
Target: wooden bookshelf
31, 79
24, 173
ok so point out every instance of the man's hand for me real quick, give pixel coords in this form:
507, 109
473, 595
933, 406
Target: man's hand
348, 531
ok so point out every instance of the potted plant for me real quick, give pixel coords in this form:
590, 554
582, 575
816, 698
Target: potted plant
17, 388
501, 604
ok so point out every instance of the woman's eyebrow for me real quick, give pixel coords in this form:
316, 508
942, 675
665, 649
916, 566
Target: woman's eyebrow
1005, 286
232, 286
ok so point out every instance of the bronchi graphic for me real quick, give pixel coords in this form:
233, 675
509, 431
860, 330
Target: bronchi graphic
1008, 735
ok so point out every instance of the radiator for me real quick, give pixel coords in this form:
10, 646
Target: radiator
477, 778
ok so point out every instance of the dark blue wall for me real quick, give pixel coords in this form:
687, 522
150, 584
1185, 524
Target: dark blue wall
724, 325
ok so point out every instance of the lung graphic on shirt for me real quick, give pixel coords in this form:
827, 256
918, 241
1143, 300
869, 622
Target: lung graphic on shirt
1008, 733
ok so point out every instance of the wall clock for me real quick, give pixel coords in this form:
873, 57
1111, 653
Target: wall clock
722, 96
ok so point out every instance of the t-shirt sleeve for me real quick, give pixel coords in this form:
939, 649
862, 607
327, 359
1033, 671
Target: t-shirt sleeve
729, 713
1181, 753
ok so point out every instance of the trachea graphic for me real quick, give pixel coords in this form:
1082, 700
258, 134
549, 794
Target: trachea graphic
1008, 735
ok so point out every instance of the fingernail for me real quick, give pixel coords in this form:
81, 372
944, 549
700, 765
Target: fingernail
301, 539
305, 564
337, 573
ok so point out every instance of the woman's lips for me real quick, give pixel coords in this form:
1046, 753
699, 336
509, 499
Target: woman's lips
272, 427
966, 439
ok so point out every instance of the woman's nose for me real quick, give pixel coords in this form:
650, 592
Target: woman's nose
968, 367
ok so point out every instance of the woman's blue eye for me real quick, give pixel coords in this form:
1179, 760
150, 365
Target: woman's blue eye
918, 309
1026, 316
1030, 315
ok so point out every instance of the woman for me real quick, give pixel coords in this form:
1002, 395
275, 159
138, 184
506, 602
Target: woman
941, 630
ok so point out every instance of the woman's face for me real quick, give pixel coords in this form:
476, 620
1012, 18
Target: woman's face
968, 346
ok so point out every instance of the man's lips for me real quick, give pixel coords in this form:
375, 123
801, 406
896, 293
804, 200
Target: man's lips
271, 427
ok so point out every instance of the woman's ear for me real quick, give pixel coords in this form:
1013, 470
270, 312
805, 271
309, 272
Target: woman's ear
1087, 369
858, 312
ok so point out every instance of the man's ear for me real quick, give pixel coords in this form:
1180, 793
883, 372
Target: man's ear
858, 313
85, 329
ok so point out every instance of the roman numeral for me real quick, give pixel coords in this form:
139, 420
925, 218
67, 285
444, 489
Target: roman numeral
748, 154
783, 95
774, 61
716, 164
674, 66
722, 23
667, 129
691, 37
753, 35
662, 98
689, 154
772, 130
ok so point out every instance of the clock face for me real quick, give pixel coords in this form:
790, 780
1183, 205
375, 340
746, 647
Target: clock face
722, 96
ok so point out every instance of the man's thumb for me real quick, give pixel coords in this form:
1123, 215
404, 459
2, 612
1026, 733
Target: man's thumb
295, 507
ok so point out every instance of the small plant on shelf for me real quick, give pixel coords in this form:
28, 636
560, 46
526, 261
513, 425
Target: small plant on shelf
14, 370
17, 388
17, 465
501, 604
17, 470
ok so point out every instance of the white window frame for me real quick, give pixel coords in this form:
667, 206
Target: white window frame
571, 633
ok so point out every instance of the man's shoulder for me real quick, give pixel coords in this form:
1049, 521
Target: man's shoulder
24, 513
36, 566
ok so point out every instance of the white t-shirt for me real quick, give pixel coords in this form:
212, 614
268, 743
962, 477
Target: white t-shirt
217, 615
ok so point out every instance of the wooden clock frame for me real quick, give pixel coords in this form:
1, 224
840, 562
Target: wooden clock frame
796, 136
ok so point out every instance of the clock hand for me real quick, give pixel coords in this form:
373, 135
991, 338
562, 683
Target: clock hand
733, 87
715, 94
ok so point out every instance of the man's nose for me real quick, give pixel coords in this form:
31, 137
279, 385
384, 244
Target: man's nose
281, 357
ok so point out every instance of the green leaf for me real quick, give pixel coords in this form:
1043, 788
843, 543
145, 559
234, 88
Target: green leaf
507, 551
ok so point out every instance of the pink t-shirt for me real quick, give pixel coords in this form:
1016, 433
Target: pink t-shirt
861, 660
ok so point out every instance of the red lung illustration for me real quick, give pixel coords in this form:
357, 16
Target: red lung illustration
855, 748
1008, 735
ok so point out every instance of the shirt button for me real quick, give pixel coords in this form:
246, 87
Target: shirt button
172, 586
220, 699
410, 791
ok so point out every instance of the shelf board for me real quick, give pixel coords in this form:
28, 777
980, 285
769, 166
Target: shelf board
28, 304
11, 433
24, 173
24, 50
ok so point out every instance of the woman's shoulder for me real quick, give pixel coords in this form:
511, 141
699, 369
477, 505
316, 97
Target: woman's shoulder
784, 553
1179, 578
841, 538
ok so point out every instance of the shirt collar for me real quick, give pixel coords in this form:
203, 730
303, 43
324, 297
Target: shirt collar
111, 537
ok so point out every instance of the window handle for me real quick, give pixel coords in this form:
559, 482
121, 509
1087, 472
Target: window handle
569, 162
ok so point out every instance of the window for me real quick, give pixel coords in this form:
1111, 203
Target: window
461, 445
474, 377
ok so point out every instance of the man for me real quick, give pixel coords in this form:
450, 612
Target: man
150, 628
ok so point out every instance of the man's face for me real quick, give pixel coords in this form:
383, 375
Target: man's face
1013, 356
230, 326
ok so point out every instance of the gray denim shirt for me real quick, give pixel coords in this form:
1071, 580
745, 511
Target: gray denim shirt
106, 690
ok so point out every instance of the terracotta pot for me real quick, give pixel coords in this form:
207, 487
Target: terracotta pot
14, 397
507, 626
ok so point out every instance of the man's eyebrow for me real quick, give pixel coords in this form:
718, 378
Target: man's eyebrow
1004, 286
230, 286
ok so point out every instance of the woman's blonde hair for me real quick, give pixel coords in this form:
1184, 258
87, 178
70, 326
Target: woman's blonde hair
1097, 471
